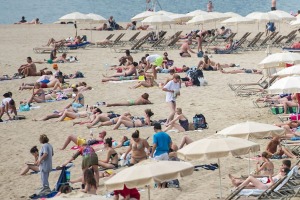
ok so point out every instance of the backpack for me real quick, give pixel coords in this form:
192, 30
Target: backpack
195, 75
199, 122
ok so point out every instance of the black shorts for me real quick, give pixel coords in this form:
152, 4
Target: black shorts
210, 68
181, 53
273, 8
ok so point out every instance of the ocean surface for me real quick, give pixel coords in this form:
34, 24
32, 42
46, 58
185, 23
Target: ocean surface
49, 11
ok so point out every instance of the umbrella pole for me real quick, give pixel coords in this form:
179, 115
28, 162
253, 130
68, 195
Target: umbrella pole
148, 186
220, 178
249, 163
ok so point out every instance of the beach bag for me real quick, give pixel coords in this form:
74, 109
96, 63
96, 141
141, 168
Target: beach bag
200, 54
195, 75
199, 122
173, 184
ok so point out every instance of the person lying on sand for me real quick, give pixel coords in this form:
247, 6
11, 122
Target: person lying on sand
142, 100
55, 83
103, 118
243, 70
130, 71
130, 122
95, 111
104, 27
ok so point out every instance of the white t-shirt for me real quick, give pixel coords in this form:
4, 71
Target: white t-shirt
152, 58
4, 101
171, 85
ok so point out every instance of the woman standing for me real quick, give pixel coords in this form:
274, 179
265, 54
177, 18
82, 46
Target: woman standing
45, 163
138, 147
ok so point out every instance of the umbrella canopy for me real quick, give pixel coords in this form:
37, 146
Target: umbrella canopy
196, 12
218, 15
158, 20
149, 172
290, 84
75, 16
201, 19
263, 17
252, 129
293, 70
96, 18
180, 17
232, 14
217, 147
163, 12
275, 59
295, 23
283, 15
143, 15
238, 20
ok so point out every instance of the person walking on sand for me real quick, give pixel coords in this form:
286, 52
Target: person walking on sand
45, 163
172, 88
273, 5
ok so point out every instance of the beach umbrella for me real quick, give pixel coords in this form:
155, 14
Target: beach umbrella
283, 15
196, 12
251, 129
289, 71
96, 18
232, 14
290, 84
218, 147
274, 60
143, 15
180, 17
163, 12
158, 20
238, 20
263, 17
201, 19
148, 173
74, 17
295, 23
218, 15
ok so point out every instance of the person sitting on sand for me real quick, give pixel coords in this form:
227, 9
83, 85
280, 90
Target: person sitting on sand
207, 64
138, 147
127, 59
148, 80
7, 106
38, 96
142, 100
131, 122
166, 61
183, 122
113, 24
22, 21
185, 49
89, 160
143, 27
243, 70
30, 165
29, 69
112, 157
131, 26
276, 151
130, 71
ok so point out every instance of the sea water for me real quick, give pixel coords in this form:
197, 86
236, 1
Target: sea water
49, 11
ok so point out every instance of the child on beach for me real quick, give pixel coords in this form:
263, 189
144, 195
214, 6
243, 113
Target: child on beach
30, 165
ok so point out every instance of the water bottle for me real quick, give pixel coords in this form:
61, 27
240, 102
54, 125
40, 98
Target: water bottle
68, 175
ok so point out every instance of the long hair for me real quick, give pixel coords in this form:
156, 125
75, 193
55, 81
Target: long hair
89, 178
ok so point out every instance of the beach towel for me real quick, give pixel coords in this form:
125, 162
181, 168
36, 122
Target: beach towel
207, 167
93, 145
124, 81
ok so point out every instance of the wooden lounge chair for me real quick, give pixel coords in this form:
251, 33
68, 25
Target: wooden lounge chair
252, 44
115, 42
62, 49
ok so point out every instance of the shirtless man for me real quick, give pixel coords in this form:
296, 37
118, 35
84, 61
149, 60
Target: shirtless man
130, 71
29, 69
273, 5
275, 149
185, 49
210, 6
127, 59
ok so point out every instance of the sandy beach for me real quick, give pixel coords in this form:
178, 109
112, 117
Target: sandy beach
216, 101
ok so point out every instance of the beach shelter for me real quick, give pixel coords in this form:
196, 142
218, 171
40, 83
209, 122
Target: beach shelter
283, 15
274, 60
180, 17
261, 17
232, 14
143, 15
163, 12
158, 20
216, 147
94, 18
147, 173
289, 71
295, 23
218, 15
201, 19
196, 12
290, 84
74, 17
249, 129
238, 20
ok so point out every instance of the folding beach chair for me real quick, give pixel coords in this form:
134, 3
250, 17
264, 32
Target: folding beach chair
237, 86
252, 44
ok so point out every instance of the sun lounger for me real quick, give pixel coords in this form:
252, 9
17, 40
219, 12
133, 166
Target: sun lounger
252, 44
78, 46
62, 49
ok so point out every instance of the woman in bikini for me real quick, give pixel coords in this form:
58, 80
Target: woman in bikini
131, 122
137, 146
266, 167
38, 96
112, 157
142, 100
148, 81
246, 71
183, 123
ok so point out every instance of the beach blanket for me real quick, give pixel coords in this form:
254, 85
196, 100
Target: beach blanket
124, 81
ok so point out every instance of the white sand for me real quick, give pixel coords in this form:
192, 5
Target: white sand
216, 101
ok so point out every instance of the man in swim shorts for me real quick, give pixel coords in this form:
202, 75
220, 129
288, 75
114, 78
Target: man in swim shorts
185, 49
273, 5
153, 61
